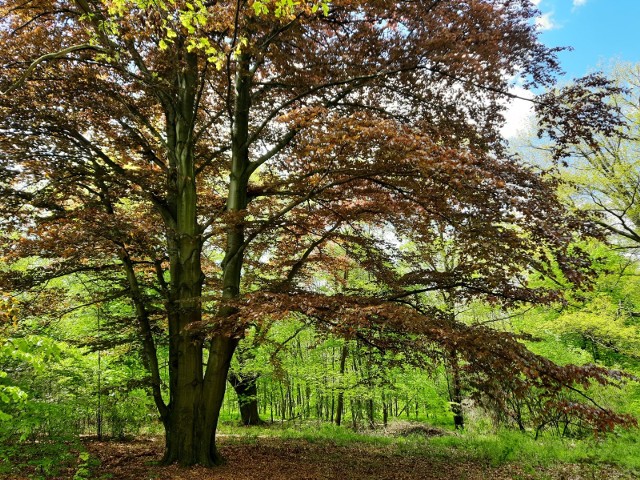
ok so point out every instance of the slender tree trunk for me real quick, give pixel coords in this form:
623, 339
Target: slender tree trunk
385, 410
354, 415
340, 404
150, 356
271, 403
283, 404
455, 393
371, 413
333, 408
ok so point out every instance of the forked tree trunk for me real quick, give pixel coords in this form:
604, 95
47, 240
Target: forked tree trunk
196, 394
192, 423
197, 400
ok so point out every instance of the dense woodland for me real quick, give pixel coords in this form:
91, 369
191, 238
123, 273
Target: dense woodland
288, 215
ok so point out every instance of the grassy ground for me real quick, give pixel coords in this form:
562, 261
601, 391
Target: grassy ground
316, 451
618, 449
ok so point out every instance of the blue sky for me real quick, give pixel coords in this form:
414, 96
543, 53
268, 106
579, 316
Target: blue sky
599, 31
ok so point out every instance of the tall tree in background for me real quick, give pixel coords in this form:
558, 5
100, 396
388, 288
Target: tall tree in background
601, 175
201, 155
604, 172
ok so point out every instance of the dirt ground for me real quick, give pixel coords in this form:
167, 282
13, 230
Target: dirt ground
284, 459
277, 459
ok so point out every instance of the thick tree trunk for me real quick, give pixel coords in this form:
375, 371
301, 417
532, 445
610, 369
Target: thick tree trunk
196, 394
246, 389
190, 431
186, 431
195, 397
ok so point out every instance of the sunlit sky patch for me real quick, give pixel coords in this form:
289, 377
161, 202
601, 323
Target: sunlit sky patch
601, 33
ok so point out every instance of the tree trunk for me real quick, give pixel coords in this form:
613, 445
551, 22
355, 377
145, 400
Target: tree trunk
455, 393
340, 403
190, 431
371, 413
196, 396
246, 389
354, 415
385, 410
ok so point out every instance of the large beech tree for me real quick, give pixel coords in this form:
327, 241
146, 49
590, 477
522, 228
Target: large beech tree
202, 157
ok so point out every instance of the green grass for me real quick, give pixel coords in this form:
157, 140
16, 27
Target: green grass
622, 450
494, 448
43, 459
310, 431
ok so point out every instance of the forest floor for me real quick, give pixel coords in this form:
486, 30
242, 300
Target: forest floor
277, 458
405, 452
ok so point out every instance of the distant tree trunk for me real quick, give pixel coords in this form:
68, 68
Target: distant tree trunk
455, 391
245, 384
333, 408
290, 401
246, 389
385, 410
340, 403
307, 402
271, 403
371, 413
283, 403
354, 415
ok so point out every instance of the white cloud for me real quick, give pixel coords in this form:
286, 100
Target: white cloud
545, 22
519, 113
579, 3
537, 2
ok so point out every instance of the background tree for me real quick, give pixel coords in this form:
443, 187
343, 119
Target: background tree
141, 142
602, 173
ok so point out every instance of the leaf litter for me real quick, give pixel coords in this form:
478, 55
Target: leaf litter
280, 459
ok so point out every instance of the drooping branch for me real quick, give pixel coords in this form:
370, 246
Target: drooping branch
45, 58
142, 315
315, 244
